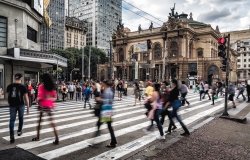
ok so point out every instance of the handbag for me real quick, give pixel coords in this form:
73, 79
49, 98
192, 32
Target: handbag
176, 104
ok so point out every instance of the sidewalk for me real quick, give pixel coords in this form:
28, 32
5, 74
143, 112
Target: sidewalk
218, 139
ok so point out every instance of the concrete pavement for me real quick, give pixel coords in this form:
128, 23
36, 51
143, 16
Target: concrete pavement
219, 139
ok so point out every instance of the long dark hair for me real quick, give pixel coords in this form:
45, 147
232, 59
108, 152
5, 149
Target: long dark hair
48, 82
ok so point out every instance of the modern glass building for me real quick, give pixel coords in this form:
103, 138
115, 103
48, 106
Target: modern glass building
53, 37
102, 16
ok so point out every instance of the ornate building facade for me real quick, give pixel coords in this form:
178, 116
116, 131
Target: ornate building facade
182, 48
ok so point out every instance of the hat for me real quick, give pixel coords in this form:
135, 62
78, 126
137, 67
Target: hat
18, 76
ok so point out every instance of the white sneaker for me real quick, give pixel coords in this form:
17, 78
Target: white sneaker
161, 137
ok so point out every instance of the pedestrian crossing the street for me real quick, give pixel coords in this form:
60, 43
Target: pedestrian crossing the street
76, 126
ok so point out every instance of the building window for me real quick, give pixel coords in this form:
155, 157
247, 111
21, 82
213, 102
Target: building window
121, 55
157, 51
245, 54
200, 52
238, 66
31, 34
3, 32
245, 66
238, 60
245, 60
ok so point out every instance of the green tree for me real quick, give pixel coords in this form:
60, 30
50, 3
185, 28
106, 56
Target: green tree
74, 57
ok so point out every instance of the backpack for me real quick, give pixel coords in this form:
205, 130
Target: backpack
15, 97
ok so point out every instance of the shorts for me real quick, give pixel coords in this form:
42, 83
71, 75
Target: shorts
231, 97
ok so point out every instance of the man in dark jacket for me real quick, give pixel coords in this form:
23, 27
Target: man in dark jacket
248, 91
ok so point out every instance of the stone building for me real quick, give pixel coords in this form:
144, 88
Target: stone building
20, 47
75, 33
240, 41
182, 48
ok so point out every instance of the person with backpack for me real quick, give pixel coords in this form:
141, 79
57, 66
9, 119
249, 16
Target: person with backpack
87, 93
78, 91
46, 98
17, 94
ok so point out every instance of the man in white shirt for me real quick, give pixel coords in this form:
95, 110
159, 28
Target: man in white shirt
206, 89
71, 89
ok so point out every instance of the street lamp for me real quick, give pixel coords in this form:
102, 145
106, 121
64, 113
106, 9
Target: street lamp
75, 69
110, 59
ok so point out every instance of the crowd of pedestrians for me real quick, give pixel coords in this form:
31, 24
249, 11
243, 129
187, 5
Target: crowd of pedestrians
159, 99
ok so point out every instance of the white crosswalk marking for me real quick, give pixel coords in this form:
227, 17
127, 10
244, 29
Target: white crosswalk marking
76, 127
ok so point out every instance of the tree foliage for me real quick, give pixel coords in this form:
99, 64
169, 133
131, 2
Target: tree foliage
74, 57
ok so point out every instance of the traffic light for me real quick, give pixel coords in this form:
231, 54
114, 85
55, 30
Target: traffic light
149, 44
222, 53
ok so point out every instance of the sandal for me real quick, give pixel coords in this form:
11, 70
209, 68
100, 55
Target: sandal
56, 142
35, 139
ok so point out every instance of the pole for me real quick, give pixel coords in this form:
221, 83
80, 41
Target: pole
82, 64
164, 61
225, 113
57, 82
89, 63
110, 60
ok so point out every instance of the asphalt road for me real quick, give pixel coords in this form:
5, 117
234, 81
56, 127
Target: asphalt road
76, 127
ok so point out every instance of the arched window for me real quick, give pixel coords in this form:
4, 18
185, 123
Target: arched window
199, 52
157, 51
120, 55
173, 49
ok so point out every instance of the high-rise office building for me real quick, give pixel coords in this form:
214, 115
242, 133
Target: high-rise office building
102, 16
53, 37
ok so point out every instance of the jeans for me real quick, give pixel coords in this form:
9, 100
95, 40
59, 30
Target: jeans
13, 112
241, 93
183, 95
78, 96
175, 114
157, 120
163, 114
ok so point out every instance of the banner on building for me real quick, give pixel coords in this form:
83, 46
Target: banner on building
140, 47
136, 70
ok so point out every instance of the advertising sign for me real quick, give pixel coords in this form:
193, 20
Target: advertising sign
140, 47
38, 6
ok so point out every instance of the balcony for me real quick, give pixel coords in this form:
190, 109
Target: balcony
35, 56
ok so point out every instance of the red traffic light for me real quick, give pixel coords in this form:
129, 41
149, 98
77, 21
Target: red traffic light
222, 40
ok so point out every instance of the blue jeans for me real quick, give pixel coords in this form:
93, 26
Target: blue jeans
174, 114
13, 112
157, 120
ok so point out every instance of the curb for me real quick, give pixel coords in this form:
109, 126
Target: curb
239, 119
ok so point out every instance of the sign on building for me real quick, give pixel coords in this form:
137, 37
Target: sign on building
140, 47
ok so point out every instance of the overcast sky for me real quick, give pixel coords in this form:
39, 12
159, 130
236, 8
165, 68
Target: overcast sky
227, 14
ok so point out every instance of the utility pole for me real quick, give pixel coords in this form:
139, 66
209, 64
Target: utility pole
164, 56
82, 64
110, 60
89, 63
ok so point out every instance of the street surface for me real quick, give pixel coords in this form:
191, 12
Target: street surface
76, 127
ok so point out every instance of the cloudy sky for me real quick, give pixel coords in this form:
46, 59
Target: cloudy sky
227, 14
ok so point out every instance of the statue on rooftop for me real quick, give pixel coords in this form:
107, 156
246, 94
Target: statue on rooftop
172, 11
151, 26
139, 28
